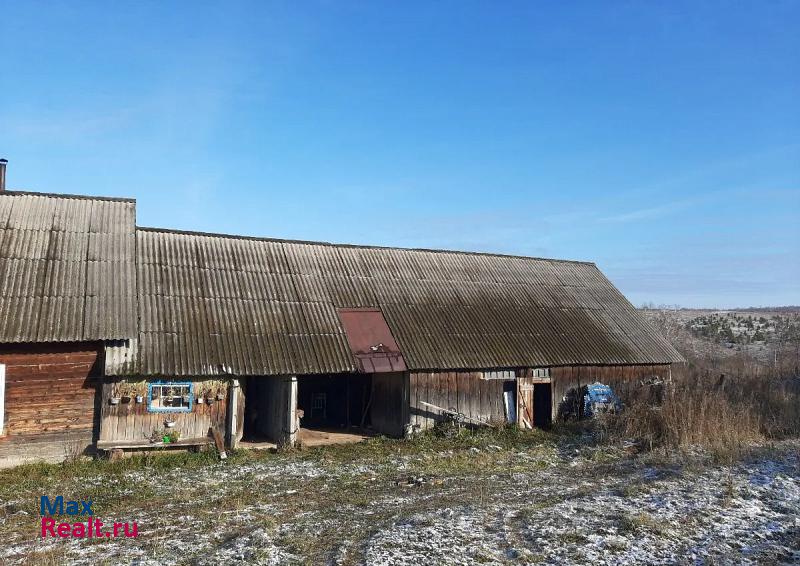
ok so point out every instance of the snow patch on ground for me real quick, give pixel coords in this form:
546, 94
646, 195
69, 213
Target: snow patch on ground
552, 505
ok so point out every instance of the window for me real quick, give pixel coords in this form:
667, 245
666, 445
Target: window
319, 405
170, 397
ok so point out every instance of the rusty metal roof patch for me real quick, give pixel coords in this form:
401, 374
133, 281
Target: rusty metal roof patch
371, 341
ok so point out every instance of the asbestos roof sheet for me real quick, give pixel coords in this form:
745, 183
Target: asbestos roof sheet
66, 268
212, 304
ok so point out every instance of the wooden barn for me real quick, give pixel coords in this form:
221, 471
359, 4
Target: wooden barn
113, 336
316, 336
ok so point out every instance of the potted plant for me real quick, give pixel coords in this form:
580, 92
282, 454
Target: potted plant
125, 392
220, 394
115, 396
138, 391
169, 424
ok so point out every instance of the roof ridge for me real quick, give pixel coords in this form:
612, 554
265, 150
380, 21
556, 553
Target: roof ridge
67, 196
358, 246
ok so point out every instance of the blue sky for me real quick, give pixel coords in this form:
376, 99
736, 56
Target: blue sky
661, 141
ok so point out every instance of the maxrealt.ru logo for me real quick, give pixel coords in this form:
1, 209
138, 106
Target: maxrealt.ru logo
87, 527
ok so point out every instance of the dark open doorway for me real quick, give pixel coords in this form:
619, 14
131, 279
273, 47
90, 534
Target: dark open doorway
266, 406
542, 405
255, 423
340, 401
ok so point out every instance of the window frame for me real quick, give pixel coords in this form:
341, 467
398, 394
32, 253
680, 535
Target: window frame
163, 382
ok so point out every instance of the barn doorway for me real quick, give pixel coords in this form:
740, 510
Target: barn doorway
542, 405
264, 403
334, 408
534, 402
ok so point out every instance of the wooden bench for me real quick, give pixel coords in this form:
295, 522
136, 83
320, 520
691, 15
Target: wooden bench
108, 445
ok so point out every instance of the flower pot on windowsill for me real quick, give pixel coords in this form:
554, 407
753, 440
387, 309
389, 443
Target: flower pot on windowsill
114, 400
200, 400
220, 396
140, 399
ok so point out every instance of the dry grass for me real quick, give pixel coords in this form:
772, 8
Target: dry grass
724, 409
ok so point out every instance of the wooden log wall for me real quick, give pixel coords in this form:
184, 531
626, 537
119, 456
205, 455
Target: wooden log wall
465, 392
50, 388
131, 421
567, 382
50, 399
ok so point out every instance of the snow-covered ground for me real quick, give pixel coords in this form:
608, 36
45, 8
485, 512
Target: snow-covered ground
749, 513
545, 504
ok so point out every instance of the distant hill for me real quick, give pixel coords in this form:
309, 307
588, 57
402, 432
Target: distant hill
757, 331
786, 309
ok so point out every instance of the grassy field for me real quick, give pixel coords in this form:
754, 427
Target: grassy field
494, 497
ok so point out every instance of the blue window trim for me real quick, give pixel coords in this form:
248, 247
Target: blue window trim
151, 409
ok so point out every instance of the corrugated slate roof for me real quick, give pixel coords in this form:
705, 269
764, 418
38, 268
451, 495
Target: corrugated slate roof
66, 268
213, 304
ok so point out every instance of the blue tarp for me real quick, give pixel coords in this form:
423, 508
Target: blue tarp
599, 398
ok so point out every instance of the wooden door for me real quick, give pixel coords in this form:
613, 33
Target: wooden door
525, 402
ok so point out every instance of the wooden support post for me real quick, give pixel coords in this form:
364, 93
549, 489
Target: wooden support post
291, 423
233, 411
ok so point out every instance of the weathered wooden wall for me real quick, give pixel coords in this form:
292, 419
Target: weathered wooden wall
482, 399
51, 393
567, 382
465, 392
131, 421
389, 403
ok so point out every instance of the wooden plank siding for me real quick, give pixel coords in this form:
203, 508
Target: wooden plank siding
50, 400
466, 392
131, 421
389, 402
479, 395
568, 381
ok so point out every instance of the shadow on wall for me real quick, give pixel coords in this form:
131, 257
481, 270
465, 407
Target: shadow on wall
571, 405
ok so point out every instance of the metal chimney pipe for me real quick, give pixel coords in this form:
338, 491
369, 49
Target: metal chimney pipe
3, 163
